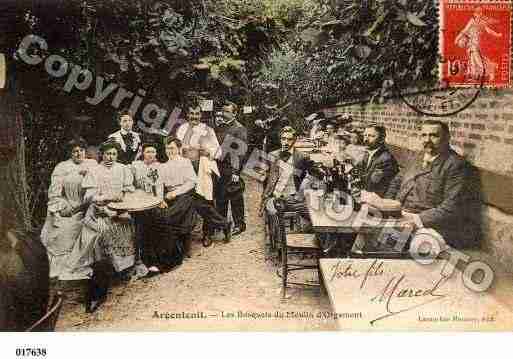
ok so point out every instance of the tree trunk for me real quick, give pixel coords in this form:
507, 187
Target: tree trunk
14, 191
24, 267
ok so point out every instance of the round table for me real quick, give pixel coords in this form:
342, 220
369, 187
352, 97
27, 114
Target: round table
137, 201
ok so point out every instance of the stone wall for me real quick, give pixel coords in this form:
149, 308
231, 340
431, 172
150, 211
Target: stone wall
483, 133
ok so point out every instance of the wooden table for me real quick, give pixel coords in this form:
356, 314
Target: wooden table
137, 201
328, 218
369, 226
379, 294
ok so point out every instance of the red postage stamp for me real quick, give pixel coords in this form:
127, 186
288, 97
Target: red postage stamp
475, 43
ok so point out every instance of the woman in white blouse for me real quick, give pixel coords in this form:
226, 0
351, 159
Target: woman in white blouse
66, 208
107, 238
173, 222
147, 177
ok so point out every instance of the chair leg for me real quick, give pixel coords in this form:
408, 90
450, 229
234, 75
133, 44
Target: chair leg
271, 230
319, 275
268, 231
284, 272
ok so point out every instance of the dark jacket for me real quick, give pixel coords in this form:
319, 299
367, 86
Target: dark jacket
232, 133
300, 161
380, 172
450, 202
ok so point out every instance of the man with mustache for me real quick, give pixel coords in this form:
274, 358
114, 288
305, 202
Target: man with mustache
436, 190
378, 165
285, 175
229, 131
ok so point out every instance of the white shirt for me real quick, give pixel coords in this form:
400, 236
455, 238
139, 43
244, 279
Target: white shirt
285, 185
202, 137
119, 139
371, 154
428, 159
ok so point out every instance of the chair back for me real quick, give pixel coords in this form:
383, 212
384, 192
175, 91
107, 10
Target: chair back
48, 321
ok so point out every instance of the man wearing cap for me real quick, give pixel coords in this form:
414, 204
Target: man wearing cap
233, 137
378, 165
436, 191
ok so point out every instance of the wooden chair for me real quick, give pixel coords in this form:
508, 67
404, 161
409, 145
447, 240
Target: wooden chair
48, 321
302, 244
272, 232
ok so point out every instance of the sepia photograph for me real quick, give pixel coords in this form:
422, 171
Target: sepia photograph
255, 166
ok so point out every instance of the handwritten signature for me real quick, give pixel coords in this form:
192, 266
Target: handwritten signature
394, 288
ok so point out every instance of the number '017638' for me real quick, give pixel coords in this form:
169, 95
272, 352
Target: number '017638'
30, 352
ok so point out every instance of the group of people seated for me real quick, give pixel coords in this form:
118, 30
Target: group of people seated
88, 239
436, 191
342, 141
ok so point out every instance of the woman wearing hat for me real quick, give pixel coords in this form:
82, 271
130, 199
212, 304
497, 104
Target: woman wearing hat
107, 237
66, 207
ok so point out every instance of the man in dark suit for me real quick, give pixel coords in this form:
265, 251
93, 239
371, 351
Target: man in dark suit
378, 165
437, 190
233, 137
286, 172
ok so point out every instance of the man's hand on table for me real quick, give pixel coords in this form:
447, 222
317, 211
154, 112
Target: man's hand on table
410, 221
370, 197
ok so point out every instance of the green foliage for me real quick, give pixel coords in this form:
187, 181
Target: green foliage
168, 48
364, 50
314, 52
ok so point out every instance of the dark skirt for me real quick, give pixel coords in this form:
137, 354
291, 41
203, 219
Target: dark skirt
166, 230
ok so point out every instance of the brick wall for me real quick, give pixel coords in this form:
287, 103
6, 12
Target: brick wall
483, 133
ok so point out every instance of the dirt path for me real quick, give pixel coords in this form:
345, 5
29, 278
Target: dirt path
218, 282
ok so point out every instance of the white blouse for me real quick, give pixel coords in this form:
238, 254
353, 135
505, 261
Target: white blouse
108, 182
66, 185
178, 175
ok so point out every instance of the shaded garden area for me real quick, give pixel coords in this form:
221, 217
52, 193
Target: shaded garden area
293, 56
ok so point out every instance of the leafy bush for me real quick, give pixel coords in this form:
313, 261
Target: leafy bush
360, 54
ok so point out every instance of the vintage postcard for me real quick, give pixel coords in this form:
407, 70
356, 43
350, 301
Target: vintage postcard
255, 166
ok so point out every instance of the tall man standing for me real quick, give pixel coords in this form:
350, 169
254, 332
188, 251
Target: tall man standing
233, 137
200, 145
378, 165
